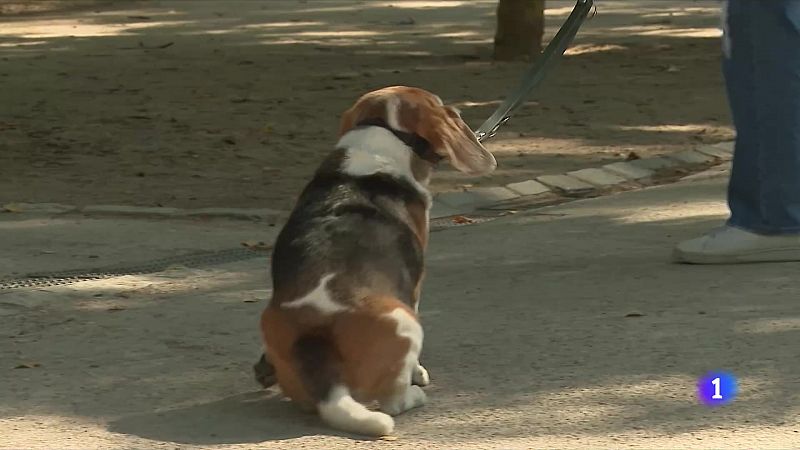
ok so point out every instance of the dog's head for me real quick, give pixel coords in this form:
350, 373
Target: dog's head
422, 113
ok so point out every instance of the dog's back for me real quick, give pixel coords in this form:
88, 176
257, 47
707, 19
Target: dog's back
345, 269
341, 328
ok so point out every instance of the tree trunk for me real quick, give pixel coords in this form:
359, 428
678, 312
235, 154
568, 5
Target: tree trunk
520, 28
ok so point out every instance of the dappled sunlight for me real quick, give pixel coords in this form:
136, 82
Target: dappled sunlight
21, 43
19, 223
414, 4
293, 24
335, 34
690, 210
692, 128
559, 11
77, 28
170, 282
394, 52
472, 104
683, 12
660, 30
458, 34
769, 325
582, 49
592, 408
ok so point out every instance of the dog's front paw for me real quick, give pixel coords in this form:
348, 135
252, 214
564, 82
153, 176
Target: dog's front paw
420, 377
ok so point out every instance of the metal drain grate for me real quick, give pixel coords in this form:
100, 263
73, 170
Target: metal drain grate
192, 260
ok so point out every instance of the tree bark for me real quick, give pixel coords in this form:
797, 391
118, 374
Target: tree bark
520, 28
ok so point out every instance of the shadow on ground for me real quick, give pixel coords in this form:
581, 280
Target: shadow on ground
567, 321
245, 418
197, 103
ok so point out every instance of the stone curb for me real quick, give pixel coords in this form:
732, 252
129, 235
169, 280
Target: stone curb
584, 182
578, 183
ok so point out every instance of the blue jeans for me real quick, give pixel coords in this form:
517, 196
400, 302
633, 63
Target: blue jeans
762, 71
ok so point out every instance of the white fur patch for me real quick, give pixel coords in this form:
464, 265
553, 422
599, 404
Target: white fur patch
392, 109
319, 298
408, 396
409, 328
342, 412
420, 376
374, 150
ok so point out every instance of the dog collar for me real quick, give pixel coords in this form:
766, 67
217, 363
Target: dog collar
419, 145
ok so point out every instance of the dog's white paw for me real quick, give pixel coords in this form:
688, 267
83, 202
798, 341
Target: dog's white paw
412, 397
420, 376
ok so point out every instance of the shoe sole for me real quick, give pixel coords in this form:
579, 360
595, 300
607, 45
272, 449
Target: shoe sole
763, 256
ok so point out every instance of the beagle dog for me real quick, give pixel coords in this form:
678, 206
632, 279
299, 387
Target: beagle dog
341, 329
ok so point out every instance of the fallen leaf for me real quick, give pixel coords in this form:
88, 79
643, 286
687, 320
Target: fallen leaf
250, 300
634, 314
256, 245
12, 208
462, 220
632, 156
27, 366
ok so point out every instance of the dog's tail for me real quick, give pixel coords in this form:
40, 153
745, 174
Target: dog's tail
317, 361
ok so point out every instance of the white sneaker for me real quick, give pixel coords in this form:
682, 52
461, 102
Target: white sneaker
730, 245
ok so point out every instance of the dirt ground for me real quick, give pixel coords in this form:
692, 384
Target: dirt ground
558, 328
233, 103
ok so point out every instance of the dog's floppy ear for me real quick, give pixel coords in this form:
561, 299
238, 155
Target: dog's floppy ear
368, 106
452, 139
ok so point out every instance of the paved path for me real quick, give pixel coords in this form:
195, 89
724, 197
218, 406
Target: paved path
561, 327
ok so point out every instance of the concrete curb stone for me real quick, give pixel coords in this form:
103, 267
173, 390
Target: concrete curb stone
529, 187
716, 152
447, 204
566, 183
629, 171
597, 177
692, 157
657, 163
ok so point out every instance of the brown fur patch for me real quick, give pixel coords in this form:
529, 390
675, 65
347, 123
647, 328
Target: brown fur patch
370, 354
280, 332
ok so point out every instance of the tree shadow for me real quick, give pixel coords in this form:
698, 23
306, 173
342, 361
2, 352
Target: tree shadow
238, 419
567, 321
197, 91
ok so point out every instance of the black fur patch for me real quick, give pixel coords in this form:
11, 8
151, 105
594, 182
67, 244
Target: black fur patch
352, 226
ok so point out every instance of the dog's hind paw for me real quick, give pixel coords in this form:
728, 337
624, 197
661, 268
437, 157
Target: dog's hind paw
420, 377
